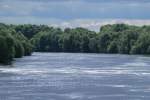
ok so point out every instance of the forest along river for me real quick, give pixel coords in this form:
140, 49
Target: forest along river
76, 76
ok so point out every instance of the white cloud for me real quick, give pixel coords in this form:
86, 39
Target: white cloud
50, 12
97, 23
92, 24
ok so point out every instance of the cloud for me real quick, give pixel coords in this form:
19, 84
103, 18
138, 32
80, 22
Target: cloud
90, 14
91, 1
97, 23
73, 9
91, 24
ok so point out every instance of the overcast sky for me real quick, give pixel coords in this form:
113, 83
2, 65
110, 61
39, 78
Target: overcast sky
73, 13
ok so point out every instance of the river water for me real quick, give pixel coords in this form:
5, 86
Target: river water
76, 76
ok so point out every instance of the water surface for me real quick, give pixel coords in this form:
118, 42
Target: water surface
68, 76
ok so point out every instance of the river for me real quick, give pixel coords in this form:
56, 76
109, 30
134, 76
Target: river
76, 76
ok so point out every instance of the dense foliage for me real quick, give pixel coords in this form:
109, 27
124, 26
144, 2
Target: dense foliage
117, 38
12, 44
69, 40
18, 40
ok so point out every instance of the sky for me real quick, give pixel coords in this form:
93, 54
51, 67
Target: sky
90, 14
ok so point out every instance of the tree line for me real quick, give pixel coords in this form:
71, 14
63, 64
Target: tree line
116, 38
12, 44
21, 40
